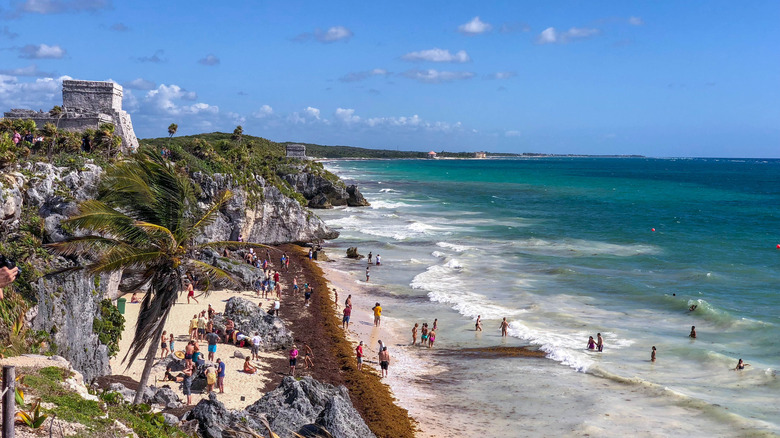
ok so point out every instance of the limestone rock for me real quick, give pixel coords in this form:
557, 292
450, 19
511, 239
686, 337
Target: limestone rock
352, 253
356, 198
250, 318
213, 419
320, 201
167, 397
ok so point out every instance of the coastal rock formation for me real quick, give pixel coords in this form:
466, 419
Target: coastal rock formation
265, 215
296, 403
322, 193
244, 273
296, 406
352, 253
249, 318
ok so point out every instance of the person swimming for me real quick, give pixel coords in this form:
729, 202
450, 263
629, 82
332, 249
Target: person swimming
741, 365
692, 308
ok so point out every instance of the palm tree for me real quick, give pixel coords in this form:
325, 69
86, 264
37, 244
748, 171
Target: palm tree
172, 128
144, 223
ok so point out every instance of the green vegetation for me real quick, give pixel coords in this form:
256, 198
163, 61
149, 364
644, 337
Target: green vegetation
145, 220
97, 416
109, 326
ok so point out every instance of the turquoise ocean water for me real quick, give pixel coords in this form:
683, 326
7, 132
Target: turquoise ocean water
568, 247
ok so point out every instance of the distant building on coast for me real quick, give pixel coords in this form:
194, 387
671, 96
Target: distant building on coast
480, 154
432, 155
296, 151
86, 105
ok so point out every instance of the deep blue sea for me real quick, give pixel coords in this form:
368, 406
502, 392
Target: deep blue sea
565, 248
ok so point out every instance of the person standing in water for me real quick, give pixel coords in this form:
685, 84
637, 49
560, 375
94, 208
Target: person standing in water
652, 355
741, 365
414, 334
435, 324
384, 361
478, 325
378, 260
505, 328
369, 257
599, 342
693, 332
591, 343
368, 273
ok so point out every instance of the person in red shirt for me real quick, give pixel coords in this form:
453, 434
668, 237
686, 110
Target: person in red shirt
345, 320
359, 352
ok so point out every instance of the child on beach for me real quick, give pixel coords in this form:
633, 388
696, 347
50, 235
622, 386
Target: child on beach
293, 359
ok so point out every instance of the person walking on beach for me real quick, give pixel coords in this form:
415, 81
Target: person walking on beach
293, 359
307, 296
191, 293
599, 342
336, 298
221, 376
345, 320
414, 334
194, 327
164, 345
307, 356
652, 354
505, 328
384, 360
256, 341
377, 314
277, 305
212, 339
359, 354
368, 273
369, 257
478, 325
693, 332
741, 365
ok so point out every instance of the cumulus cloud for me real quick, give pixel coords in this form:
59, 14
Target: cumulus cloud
157, 58
6, 33
308, 115
30, 70
331, 35
140, 84
475, 27
502, 75
437, 55
165, 99
41, 93
41, 51
346, 115
45, 7
635, 21
119, 27
432, 76
209, 60
363, 75
551, 36
263, 112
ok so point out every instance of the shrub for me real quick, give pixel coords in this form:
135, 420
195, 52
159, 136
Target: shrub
109, 326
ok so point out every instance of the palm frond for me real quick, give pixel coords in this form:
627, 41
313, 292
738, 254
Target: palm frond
82, 245
159, 230
212, 273
223, 243
120, 258
208, 217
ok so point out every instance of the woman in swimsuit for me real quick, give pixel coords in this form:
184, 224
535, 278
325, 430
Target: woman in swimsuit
414, 333
164, 345
478, 325
431, 338
248, 368
170, 340
741, 365
591, 343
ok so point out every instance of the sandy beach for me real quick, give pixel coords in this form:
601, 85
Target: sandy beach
237, 383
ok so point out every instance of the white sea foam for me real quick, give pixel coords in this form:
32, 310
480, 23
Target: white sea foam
438, 254
563, 348
389, 205
453, 246
578, 247
389, 191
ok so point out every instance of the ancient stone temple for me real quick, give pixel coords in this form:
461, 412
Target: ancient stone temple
86, 104
296, 151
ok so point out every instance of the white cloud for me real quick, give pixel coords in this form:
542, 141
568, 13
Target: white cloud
551, 36
346, 115
164, 100
512, 133
30, 70
362, 75
140, 84
264, 111
431, 76
474, 27
437, 55
44, 7
635, 21
209, 60
42, 51
313, 112
502, 75
41, 93
331, 35
157, 58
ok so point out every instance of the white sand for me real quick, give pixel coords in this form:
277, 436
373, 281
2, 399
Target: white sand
237, 383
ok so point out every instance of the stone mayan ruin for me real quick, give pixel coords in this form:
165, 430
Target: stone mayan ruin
296, 151
87, 104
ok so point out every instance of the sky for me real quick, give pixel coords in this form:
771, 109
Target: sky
665, 78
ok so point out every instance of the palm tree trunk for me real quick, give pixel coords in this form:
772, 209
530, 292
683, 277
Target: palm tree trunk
151, 355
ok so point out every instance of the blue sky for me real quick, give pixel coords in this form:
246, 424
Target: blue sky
692, 78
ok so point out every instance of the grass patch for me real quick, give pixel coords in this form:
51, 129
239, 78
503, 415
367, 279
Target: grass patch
97, 416
369, 395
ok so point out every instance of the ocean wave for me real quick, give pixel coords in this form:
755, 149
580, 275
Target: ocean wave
453, 246
388, 191
578, 248
564, 348
389, 205
438, 254
720, 317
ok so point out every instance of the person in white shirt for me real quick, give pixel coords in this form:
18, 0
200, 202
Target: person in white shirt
256, 341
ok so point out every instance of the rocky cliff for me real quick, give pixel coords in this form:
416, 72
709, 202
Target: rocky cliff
322, 193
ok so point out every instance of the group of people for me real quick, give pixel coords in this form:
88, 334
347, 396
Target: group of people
368, 268
427, 335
